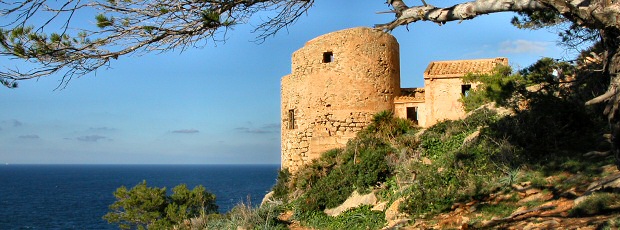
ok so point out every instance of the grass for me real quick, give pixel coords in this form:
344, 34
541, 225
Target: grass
359, 218
497, 210
242, 215
597, 203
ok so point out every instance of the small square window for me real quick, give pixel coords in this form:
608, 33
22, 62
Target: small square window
328, 57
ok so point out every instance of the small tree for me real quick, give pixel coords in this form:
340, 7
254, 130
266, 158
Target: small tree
144, 207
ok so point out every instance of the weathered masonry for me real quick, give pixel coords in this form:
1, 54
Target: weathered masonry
341, 79
443, 87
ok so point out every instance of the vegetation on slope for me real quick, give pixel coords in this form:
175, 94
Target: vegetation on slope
546, 132
483, 169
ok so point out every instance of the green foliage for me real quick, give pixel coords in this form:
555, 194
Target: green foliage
359, 218
500, 209
103, 21
362, 165
281, 188
27, 43
549, 117
385, 126
546, 70
537, 19
447, 163
149, 29
511, 90
596, 204
457, 171
572, 35
510, 178
144, 207
163, 10
359, 169
500, 87
211, 18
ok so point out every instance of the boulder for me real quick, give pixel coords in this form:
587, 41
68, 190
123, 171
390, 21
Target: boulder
267, 199
355, 200
393, 217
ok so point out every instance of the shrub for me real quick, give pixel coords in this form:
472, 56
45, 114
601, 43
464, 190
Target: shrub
500, 87
363, 164
456, 171
281, 188
359, 170
359, 218
144, 207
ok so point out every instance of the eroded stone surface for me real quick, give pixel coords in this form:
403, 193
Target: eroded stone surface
355, 200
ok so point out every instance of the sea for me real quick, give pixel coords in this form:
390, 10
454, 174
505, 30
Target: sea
77, 196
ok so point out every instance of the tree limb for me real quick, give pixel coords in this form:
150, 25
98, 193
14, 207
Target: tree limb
593, 14
122, 28
611, 92
458, 12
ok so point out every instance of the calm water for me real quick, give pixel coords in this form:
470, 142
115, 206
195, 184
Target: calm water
77, 196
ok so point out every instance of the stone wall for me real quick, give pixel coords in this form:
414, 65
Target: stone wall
401, 104
337, 83
443, 85
443, 100
411, 98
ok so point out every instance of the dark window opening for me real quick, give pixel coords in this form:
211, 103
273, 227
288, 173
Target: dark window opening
465, 89
412, 114
291, 119
328, 57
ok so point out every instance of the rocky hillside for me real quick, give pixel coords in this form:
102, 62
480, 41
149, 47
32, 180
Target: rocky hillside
460, 175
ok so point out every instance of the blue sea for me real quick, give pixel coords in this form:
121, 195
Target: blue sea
77, 196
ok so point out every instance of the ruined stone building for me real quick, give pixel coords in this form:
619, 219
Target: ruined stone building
341, 79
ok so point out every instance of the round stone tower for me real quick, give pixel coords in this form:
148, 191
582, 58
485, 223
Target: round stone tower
338, 82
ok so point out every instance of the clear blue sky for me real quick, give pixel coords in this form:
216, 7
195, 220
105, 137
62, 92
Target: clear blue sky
220, 104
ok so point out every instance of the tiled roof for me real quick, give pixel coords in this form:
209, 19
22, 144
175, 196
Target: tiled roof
448, 69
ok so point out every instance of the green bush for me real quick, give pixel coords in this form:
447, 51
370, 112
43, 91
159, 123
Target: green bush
143, 207
281, 188
500, 87
359, 218
360, 170
456, 171
362, 165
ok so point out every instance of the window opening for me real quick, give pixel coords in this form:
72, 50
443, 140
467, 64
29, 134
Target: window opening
328, 57
412, 114
291, 119
465, 89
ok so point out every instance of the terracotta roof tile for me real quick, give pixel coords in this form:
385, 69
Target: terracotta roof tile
447, 69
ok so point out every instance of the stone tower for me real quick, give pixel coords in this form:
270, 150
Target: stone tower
337, 83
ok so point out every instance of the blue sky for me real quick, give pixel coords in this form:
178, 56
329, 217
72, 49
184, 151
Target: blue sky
220, 104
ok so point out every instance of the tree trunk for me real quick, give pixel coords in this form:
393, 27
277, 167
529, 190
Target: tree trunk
611, 39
